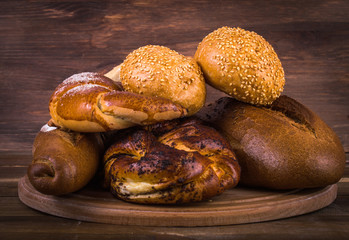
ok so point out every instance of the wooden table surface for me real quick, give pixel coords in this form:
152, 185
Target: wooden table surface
44, 42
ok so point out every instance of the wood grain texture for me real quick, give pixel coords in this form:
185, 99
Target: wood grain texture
44, 42
17, 221
235, 206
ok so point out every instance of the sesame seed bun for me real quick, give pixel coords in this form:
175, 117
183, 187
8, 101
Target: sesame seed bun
242, 64
159, 71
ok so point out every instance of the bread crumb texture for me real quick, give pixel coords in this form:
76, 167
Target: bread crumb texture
242, 64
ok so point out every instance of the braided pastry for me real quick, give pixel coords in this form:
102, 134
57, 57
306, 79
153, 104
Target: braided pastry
177, 161
90, 102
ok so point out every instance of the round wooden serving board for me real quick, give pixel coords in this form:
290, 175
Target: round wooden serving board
235, 206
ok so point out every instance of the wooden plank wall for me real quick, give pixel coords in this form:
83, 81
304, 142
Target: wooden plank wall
44, 42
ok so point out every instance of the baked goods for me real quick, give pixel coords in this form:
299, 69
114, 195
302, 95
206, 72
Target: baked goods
159, 71
242, 64
114, 74
283, 146
183, 161
63, 162
178, 161
90, 102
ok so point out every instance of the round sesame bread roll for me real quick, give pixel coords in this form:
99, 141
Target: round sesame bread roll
159, 71
91, 102
242, 64
171, 162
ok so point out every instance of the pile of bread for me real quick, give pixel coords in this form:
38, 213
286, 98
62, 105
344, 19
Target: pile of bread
145, 127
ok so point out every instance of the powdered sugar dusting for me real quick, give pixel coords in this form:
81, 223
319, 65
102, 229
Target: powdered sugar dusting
86, 88
82, 77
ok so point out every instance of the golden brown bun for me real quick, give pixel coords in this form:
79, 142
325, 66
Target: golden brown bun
242, 64
63, 162
178, 161
158, 71
114, 74
90, 102
284, 146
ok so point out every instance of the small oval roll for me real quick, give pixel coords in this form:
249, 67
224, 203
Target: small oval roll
283, 146
172, 162
242, 64
159, 71
63, 162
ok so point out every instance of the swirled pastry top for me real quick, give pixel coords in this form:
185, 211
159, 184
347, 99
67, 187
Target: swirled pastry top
177, 161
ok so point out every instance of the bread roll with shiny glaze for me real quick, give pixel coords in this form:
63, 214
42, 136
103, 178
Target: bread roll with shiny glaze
159, 71
91, 102
172, 162
64, 162
283, 146
242, 64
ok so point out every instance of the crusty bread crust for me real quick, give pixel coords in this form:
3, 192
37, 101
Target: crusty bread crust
283, 146
64, 161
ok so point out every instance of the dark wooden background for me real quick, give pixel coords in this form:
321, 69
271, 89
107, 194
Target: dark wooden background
44, 42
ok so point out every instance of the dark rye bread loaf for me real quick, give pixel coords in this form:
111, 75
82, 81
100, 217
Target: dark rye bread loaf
283, 146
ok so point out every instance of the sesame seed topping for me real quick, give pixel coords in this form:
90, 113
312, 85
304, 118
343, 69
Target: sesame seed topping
158, 70
249, 55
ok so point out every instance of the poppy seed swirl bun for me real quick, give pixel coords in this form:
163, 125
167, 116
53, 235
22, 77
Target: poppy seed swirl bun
155, 70
172, 162
242, 64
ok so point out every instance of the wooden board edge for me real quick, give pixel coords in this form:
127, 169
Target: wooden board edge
299, 205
